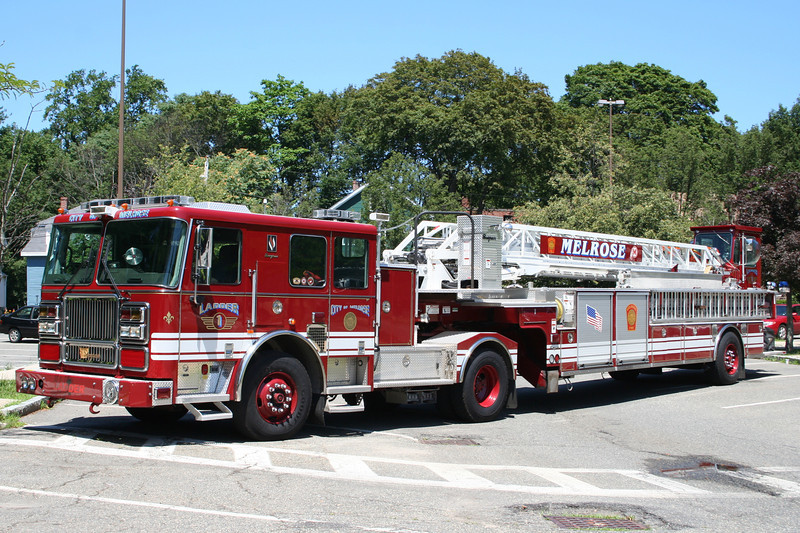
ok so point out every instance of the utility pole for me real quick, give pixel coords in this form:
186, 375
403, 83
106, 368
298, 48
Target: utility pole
611, 104
120, 156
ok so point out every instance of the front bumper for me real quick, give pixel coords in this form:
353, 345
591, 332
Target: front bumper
95, 389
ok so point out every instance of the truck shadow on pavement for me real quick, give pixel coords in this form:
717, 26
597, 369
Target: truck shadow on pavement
583, 395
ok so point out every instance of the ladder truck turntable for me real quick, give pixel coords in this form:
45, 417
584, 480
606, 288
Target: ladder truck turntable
164, 305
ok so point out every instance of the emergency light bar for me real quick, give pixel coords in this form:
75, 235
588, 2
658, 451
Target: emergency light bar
98, 206
336, 214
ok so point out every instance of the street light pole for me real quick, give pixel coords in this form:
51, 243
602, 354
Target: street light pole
120, 155
611, 104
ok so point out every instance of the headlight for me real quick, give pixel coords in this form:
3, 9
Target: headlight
133, 320
48, 328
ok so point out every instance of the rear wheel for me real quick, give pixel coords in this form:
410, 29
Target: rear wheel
728, 364
484, 393
14, 335
276, 398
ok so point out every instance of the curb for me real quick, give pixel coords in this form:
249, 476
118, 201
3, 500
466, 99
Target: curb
27, 407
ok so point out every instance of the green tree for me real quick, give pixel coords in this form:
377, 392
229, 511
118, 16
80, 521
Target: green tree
655, 99
201, 123
83, 104
263, 121
11, 85
27, 186
486, 134
403, 188
328, 156
243, 177
776, 143
772, 202
636, 212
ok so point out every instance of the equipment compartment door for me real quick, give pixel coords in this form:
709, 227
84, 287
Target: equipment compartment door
595, 325
631, 327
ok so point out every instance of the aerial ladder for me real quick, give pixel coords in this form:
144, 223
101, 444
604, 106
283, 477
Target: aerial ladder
484, 252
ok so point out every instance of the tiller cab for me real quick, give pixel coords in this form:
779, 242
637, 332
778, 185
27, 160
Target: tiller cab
165, 305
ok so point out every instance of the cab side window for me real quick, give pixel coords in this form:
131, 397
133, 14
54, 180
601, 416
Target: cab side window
307, 254
350, 257
226, 259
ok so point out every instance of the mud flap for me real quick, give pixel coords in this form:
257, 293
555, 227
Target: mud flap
512, 396
318, 411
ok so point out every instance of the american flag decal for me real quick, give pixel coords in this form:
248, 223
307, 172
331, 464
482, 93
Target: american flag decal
593, 318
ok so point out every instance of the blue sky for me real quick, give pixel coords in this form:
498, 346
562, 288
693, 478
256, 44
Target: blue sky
747, 52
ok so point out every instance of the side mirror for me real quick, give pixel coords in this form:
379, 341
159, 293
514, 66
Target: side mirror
203, 249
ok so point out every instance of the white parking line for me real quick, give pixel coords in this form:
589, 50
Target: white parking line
761, 403
181, 508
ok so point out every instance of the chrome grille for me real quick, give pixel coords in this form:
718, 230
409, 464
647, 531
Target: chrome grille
90, 355
92, 319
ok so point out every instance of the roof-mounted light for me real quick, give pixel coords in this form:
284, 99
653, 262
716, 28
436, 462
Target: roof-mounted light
336, 214
98, 206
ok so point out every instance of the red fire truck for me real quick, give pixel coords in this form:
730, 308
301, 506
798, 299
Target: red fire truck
166, 305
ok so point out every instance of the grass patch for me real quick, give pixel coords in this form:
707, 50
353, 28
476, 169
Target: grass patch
10, 421
779, 359
8, 390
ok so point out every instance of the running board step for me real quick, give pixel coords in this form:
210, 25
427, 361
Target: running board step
344, 408
222, 412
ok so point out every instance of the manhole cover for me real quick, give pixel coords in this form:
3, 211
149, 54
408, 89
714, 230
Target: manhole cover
590, 522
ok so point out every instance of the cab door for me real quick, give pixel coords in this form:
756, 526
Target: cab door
351, 340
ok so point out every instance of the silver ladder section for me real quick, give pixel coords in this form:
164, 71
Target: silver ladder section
442, 253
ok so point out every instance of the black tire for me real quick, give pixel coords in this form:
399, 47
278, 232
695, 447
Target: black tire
276, 398
14, 335
163, 414
728, 363
483, 394
782, 331
624, 375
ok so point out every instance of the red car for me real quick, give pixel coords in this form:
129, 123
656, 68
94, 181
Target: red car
778, 322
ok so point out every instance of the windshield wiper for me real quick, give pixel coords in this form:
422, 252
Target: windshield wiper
83, 265
104, 262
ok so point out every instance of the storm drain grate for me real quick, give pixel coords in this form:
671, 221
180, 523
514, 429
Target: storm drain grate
589, 522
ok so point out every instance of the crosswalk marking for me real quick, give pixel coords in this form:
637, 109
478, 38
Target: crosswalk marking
538, 480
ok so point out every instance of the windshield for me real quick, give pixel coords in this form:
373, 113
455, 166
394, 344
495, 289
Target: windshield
147, 252
73, 251
722, 243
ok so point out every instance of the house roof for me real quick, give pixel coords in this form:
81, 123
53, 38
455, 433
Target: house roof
351, 202
40, 237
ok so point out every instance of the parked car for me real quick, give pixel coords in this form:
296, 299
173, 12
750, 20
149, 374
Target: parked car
21, 323
778, 322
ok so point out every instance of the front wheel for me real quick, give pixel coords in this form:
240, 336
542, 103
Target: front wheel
484, 393
14, 335
728, 364
276, 398
782, 331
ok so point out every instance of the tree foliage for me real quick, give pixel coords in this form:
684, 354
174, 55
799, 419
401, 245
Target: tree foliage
772, 202
485, 133
11, 85
438, 133
83, 104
